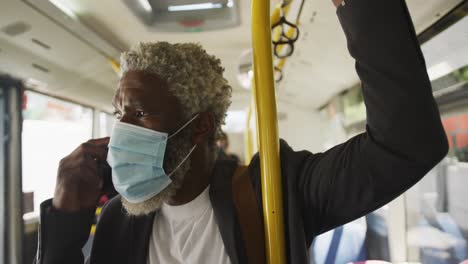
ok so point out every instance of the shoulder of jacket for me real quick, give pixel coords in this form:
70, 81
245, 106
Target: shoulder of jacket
113, 209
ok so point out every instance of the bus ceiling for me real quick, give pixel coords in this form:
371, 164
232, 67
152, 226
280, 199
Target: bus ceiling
37, 38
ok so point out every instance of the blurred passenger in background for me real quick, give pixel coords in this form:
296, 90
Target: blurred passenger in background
223, 145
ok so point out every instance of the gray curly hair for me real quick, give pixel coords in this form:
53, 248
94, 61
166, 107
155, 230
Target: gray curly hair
194, 77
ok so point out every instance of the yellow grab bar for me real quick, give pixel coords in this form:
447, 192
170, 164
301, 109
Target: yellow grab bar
291, 31
264, 94
275, 16
115, 66
280, 63
249, 146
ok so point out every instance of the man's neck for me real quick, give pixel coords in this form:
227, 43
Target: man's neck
195, 182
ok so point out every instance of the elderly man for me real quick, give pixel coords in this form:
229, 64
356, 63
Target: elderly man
179, 204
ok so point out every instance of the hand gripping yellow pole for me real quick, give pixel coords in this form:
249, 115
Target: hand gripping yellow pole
264, 94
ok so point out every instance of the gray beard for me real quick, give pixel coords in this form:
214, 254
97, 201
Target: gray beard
177, 149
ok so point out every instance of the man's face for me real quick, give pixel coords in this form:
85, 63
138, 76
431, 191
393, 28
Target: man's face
144, 100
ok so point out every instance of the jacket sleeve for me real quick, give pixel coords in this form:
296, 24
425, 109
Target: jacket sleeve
62, 235
404, 136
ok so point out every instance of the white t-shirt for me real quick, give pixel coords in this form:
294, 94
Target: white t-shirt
187, 234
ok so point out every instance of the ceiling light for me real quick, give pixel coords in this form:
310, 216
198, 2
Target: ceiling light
196, 16
36, 84
146, 5
194, 7
64, 8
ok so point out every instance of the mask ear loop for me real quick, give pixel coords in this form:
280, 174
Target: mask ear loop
190, 152
186, 124
183, 161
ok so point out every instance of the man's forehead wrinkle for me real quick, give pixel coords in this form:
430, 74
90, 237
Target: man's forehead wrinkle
123, 101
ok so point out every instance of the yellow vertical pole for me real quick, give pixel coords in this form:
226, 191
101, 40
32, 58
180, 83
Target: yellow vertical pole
264, 94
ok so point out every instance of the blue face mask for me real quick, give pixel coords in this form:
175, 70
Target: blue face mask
136, 156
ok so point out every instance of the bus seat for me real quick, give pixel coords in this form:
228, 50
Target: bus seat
341, 245
377, 245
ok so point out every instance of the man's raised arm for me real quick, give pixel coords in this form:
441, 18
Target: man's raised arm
404, 138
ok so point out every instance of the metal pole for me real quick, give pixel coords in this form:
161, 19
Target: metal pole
3, 219
13, 186
264, 94
96, 129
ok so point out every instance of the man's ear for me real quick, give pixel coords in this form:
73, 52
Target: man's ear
204, 127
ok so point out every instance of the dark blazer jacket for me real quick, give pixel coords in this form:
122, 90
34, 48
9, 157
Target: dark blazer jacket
404, 139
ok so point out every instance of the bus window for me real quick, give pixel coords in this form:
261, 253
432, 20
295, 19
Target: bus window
106, 123
437, 207
436, 215
52, 129
364, 238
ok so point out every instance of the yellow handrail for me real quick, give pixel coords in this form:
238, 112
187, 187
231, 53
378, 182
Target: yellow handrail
115, 66
275, 16
268, 132
291, 31
280, 62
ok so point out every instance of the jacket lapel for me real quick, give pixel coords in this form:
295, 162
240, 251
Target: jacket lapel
142, 227
224, 210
